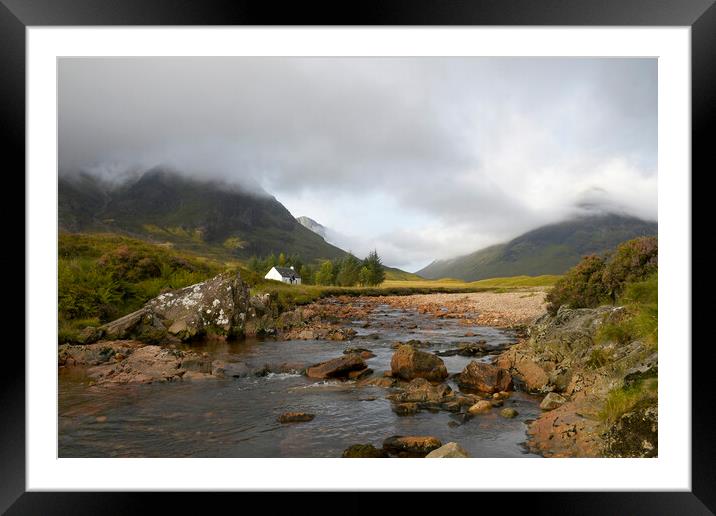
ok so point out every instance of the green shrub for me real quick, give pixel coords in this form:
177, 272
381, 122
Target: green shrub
580, 287
598, 280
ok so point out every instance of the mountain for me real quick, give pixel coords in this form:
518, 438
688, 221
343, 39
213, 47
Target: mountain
549, 249
308, 222
163, 205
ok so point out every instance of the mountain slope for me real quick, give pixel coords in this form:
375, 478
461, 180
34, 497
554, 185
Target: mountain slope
166, 206
549, 249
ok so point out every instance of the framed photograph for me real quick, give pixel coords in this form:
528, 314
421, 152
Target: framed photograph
261, 243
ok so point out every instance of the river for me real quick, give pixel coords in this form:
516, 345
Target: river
237, 417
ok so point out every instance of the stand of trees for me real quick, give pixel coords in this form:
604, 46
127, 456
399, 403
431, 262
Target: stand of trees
347, 271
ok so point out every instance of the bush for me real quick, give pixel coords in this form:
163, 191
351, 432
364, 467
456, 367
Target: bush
581, 287
634, 260
599, 280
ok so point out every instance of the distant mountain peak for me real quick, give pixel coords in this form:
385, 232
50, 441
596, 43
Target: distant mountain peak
550, 249
314, 226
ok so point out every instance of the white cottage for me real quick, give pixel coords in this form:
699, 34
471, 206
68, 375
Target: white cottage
285, 274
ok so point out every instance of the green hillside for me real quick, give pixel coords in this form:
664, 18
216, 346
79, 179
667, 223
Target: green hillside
551, 249
201, 216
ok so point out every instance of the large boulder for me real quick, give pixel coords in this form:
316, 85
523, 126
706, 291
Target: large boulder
419, 390
411, 446
337, 368
409, 363
482, 377
147, 364
218, 306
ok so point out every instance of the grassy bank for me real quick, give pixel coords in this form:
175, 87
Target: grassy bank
105, 276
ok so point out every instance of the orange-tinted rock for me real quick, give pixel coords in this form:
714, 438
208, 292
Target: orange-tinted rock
411, 446
337, 368
295, 417
408, 363
484, 377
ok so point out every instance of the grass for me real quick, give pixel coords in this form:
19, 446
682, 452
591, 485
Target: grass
105, 276
641, 320
622, 400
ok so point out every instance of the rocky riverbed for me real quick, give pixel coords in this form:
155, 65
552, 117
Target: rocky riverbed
442, 375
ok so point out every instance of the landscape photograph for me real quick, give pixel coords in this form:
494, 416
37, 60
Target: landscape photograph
357, 257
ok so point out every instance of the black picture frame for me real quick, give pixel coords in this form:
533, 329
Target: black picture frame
699, 15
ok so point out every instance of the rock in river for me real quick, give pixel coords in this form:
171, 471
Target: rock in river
295, 417
336, 368
411, 446
358, 451
448, 451
481, 407
408, 363
483, 377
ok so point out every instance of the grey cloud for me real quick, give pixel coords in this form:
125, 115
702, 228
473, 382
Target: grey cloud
493, 146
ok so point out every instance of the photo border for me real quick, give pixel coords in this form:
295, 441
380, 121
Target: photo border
700, 15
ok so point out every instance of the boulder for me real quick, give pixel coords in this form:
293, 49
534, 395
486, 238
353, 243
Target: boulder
336, 368
364, 353
222, 369
509, 413
420, 390
147, 364
408, 363
448, 451
217, 306
411, 446
552, 401
483, 377
357, 451
481, 407
295, 417
405, 409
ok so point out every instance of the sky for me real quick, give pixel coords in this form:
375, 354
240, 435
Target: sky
418, 158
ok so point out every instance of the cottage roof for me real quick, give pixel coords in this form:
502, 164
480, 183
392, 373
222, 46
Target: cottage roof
287, 272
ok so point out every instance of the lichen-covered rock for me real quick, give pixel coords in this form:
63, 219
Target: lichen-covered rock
408, 363
482, 377
509, 413
218, 306
448, 451
95, 354
411, 446
635, 434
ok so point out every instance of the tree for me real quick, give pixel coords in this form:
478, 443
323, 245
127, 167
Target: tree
376, 273
364, 276
348, 271
306, 272
282, 260
324, 276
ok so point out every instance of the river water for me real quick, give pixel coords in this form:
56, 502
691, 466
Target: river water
236, 417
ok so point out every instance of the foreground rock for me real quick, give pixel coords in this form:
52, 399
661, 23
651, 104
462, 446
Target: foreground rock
359, 451
219, 306
411, 446
148, 364
448, 451
295, 417
552, 401
340, 367
408, 363
563, 359
482, 377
